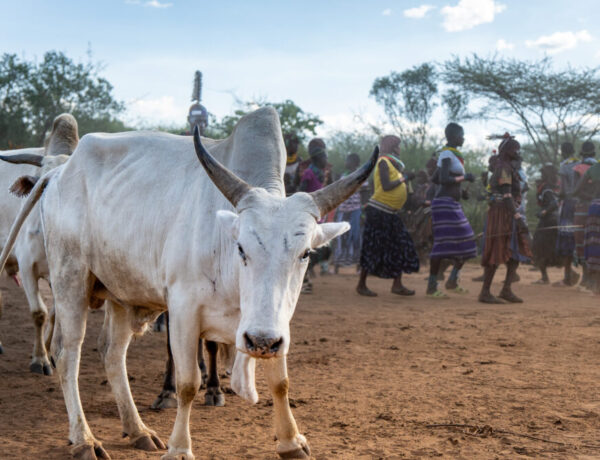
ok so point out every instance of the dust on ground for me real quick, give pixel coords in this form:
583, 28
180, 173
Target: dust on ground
368, 379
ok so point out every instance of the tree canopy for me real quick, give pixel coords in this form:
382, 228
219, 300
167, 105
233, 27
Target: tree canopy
33, 94
549, 106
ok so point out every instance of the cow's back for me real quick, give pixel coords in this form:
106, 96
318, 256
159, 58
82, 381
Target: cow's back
11, 204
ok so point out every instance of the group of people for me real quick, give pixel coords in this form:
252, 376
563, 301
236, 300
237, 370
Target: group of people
379, 242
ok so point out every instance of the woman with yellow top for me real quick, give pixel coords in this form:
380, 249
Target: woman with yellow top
387, 250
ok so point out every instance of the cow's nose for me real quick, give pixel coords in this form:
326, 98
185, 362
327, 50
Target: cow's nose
261, 346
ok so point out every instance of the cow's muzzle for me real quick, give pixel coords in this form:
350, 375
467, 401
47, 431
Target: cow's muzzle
261, 346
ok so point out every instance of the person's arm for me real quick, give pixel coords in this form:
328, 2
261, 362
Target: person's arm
384, 177
549, 203
447, 179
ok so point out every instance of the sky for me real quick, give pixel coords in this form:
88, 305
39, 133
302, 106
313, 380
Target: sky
323, 55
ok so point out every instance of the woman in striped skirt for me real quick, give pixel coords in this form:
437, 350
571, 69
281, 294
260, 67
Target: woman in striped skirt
453, 237
588, 188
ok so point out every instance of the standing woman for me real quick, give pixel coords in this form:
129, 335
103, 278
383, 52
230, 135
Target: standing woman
387, 249
506, 238
544, 239
347, 246
453, 237
588, 189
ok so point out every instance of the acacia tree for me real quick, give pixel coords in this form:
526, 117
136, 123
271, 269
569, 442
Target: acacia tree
549, 106
33, 94
408, 99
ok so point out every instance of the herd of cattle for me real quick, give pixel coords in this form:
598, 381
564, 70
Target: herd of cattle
133, 221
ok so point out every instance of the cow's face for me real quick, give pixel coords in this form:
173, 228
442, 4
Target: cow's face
272, 241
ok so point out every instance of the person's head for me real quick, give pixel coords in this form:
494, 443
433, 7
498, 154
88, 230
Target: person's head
352, 161
588, 149
390, 145
317, 151
455, 135
291, 143
509, 148
567, 150
422, 177
549, 174
431, 165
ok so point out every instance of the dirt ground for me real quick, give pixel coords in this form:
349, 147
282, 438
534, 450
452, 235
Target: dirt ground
368, 379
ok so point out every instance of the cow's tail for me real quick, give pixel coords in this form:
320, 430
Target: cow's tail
30, 202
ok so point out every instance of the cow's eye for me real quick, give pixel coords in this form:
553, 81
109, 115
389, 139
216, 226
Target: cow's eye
242, 254
306, 254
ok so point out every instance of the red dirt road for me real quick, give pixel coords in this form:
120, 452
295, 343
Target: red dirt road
367, 378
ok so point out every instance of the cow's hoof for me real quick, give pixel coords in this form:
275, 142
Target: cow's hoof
214, 397
90, 452
148, 442
299, 448
165, 400
41, 368
178, 456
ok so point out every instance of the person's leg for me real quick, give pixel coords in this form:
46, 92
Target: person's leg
362, 288
485, 296
545, 279
452, 282
432, 282
506, 293
399, 288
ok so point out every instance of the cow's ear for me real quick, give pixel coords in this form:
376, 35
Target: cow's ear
326, 232
23, 185
229, 223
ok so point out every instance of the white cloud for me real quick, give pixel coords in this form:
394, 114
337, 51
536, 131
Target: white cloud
559, 41
386, 12
502, 45
160, 111
470, 13
418, 12
150, 3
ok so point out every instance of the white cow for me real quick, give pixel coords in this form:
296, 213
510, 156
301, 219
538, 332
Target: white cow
29, 256
133, 218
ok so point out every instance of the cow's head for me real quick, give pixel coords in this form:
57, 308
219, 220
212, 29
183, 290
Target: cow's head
273, 238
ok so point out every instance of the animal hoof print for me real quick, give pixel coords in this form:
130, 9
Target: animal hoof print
149, 443
165, 400
212, 398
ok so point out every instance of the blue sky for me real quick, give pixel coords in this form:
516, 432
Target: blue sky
324, 55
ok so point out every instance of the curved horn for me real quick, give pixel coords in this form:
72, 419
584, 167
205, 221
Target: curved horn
226, 181
330, 197
24, 158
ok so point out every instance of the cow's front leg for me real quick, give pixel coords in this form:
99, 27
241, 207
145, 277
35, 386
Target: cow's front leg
291, 443
118, 336
184, 335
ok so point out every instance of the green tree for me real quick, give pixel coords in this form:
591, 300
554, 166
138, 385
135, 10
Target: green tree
549, 106
33, 94
408, 99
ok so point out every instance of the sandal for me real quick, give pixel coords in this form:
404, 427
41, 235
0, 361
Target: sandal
460, 290
403, 291
438, 295
365, 291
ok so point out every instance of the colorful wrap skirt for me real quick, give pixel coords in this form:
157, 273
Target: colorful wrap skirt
453, 237
565, 243
387, 248
592, 237
503, 241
